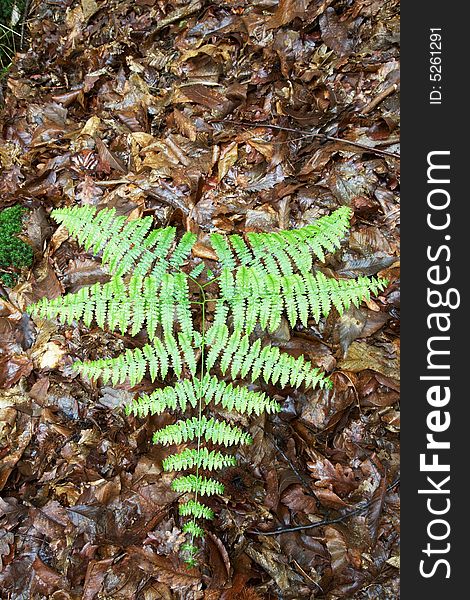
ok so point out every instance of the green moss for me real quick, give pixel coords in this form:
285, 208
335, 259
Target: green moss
14, 253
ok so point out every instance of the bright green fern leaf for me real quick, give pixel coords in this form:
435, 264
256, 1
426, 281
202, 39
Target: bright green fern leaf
120, 306
254, 297
126, 246
133, 364
242, 357
193, 529
195, 483
260, 278
192, 508
211, 430
211, 389
209, 460
280, 253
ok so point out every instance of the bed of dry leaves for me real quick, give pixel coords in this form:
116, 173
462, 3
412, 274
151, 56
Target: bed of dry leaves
161, 107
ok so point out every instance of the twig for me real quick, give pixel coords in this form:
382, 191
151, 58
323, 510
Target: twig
322, 136
23, 21
297, 473
352, 513
378, 99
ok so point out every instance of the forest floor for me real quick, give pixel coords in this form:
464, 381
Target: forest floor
233, 116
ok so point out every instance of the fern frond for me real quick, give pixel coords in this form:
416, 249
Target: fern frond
193, 529
283, 252
133, 364
211, 430
262, 277
126, 245
253, 297
122, 307
203, 458
186, 392
203, 486
243, 357
192, 508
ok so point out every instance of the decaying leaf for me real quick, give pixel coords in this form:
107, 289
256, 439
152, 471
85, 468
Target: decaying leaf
201, 117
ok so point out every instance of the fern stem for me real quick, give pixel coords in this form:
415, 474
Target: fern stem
200, 395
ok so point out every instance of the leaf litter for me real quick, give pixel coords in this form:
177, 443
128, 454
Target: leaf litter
222, 116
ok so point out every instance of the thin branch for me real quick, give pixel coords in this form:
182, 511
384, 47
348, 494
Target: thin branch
352, 513
379, 98
322, 136
303, 480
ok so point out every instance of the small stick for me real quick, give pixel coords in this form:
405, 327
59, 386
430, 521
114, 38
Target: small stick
378, 99
309, 134
23, 22
352, 513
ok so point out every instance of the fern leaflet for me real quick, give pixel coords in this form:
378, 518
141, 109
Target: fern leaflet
126, 246
254, 297
211, 430
195, 483
280, 253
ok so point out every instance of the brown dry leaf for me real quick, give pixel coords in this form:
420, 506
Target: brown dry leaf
202, 250
16, 430
6, 540
50, 579
184, 124
200, 94
298, 501
338, 478
48, 356
336, 544
88, 191
220, 563
368, 240
228, 157
286, 12
361, 356
91, 126
335, 33
14, 339
330, 499
374, 511
89, 8
270, 559
95, 574
163, 569
109, 161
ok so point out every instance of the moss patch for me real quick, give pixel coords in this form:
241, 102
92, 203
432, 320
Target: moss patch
14, 253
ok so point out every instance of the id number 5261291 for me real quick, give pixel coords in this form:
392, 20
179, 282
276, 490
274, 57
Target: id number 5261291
435, 65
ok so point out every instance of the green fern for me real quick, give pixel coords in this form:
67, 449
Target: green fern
193, 508
123, 307
203, 459
210, 430
157, 359
257, 298
281, 253
193, 529
195, 483
261, 278
126, 246
186, 392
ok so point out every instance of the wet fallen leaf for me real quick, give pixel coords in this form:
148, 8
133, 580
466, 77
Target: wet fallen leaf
363, 356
